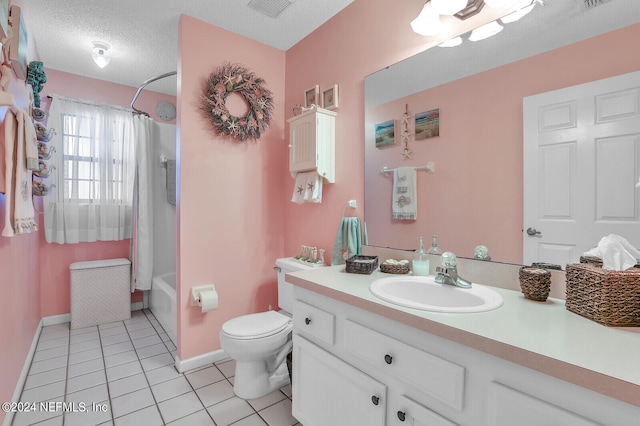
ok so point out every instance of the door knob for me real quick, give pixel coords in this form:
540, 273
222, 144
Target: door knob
388, 359
401, 416
375, 400
532, 231
307, 321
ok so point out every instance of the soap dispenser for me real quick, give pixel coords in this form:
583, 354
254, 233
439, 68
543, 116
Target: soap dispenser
434, 246
421, 260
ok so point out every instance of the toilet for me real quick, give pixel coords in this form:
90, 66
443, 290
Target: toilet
259, 343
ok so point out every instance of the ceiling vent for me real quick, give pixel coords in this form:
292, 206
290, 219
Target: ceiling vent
590, 4
271, 8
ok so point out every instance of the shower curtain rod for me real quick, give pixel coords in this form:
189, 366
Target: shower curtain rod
151, 80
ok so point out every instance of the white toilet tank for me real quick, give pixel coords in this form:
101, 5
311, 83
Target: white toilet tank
285, 289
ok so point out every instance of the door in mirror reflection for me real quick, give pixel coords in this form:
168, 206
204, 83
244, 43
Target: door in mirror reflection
581, 163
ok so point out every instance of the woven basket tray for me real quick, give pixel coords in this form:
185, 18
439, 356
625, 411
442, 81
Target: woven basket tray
360, 264
611, 298
394, 268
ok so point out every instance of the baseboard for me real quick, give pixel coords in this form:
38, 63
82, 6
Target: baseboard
55, 319
8, 418
137, 306
200, 360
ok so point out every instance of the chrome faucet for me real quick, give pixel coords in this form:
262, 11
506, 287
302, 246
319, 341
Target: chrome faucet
450, 276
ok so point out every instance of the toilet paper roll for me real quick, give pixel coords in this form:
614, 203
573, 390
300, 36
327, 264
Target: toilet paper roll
208, 300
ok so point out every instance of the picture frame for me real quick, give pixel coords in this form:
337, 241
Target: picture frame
311, 96
18, 46
4, 18
385, 133
330, 97
427, 124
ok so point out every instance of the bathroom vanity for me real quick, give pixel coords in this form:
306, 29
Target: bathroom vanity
361, 361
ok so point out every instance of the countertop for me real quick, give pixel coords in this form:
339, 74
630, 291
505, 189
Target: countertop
543, 336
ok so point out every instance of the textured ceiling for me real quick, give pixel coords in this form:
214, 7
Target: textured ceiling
143, 34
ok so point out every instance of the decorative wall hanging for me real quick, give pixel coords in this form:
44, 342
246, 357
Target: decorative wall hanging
36, 77
311, 96
406, 152
330, 98
428, 124
234, 78
386, 133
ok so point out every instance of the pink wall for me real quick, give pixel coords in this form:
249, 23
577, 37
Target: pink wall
475, 196
230, 208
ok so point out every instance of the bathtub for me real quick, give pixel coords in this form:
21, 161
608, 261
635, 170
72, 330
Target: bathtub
163, 303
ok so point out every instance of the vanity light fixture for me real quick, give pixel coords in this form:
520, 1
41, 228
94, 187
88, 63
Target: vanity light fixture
485, 31
100, 54
428, 21
501, 3
522, 8
456, 41
448, 7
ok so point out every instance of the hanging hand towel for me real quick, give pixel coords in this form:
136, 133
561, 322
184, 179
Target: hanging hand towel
313, 191
20, 157
348, 240
299, 188
404, 198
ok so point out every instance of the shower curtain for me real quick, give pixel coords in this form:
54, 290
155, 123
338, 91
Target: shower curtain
142, 241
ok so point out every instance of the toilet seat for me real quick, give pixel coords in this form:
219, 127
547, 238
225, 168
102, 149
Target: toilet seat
255, 326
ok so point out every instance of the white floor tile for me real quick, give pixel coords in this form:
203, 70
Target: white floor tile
120, 358
279, 414
56, 421
117, 348
143, 332
267, 400
116, 329
228, 368
127, 385
138, 325
43, 393
50, 353
215, 393
83, 356
85, 381
84, 346
171, 389
83, 330
170, 345
161, 374
254, 420
48, 364
52, 334
45, 378
52, 343
110, 325
115, 338
142, 342
77, 338
55, 327
131, 402
157, 361
123, 370
85, 367
89, 395
230, 411
204, 377
181, 406
88, 417
149, 416
32, 417
200, 418
149, 351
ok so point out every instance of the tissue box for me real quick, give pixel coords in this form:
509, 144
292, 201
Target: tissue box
611, 298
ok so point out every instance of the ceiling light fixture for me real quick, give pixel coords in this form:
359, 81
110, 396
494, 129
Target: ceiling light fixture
485, 31
100, 54
448, 7
428, 21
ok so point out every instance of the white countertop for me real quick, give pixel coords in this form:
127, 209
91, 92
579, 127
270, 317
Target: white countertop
543, 336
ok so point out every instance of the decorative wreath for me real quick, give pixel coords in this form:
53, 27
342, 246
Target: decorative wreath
231, 78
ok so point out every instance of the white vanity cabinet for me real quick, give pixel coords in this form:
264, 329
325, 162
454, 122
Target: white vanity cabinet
352, 367
312, 137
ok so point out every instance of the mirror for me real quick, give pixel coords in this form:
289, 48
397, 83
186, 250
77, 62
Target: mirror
474, 197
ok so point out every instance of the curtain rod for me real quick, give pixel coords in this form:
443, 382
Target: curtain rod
86, 102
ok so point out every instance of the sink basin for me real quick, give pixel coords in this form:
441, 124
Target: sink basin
425, 294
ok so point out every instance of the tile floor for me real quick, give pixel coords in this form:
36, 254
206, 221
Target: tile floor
124, 374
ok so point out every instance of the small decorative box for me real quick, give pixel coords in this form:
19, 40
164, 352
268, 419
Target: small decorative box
394, 267
360, 264
535, 283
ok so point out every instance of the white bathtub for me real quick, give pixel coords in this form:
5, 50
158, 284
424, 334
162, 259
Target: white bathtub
163, 304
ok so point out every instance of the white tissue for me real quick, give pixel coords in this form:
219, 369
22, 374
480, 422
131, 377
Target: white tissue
616, 252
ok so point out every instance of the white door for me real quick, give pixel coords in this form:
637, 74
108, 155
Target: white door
581, 164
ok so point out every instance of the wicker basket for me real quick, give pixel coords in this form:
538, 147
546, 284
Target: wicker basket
535, 283
545, 265
611, 298
360, 264
596, 261
394, 268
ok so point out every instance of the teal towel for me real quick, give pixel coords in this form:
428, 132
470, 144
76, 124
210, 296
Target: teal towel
348, 240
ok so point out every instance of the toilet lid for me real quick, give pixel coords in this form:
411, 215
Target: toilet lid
255, 326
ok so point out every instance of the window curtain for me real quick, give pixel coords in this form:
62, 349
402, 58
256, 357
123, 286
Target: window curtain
142, 243
94, 160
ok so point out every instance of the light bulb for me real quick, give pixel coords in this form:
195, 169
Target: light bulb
448, 7
100, 54
485, 31
428, 21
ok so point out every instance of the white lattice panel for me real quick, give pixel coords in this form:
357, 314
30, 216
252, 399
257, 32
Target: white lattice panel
100, 292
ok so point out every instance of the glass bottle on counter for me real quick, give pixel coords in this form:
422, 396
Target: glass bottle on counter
420, 263
434, 246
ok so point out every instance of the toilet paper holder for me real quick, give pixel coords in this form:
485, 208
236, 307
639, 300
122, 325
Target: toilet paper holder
195, 293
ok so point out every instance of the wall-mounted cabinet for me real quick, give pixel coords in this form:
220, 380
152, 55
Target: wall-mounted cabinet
312, 137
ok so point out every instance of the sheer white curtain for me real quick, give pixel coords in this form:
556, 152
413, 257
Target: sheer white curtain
142, 244
94, 174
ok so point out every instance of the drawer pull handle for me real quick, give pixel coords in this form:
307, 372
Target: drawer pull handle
401, 416
307, 320
375, 400
388, 359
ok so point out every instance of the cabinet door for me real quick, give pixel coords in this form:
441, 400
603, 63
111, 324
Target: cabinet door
415, 414
508, 407
328, 391
302, 143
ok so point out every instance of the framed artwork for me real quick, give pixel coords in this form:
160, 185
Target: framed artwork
330, 98
386, 133
311, 96
427, 124
18, 47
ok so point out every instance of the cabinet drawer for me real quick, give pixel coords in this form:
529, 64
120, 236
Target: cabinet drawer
314, 322
416, 414
438, 378
509, 407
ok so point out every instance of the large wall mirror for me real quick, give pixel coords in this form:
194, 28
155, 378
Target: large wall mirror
475, 195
